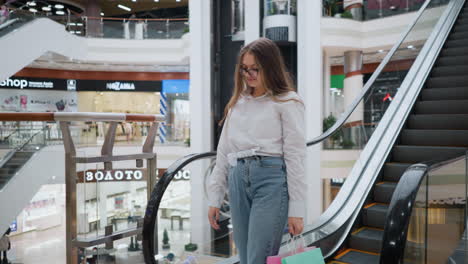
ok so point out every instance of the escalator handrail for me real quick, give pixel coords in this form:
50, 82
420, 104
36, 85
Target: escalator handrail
152, 208
401, 207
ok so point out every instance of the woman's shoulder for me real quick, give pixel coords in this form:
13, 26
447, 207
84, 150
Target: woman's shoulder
290, 97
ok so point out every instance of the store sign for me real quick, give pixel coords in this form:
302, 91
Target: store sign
80, 85
112, 175
36, 83
175, 86
14, 226
118, 86
182, 175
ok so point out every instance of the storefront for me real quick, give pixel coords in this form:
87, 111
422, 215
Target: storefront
167, 97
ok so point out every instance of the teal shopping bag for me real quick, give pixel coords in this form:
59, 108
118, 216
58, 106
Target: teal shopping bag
308, 257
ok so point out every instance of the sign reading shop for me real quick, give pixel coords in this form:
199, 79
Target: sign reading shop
80, 85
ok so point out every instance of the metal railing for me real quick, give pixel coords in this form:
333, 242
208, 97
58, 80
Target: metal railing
146, 160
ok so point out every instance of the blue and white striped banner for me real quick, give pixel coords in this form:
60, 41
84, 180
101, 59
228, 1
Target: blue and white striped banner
163, 111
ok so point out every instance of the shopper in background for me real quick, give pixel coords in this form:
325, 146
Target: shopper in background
261, 155
4, 14
5, 245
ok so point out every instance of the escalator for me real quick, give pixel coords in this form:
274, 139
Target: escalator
21, 171
427, 120
437, 127
17, 33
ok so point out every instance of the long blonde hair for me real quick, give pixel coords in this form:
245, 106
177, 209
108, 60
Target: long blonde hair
272, 70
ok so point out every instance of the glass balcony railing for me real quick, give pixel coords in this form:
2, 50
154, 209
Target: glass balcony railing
374, 9
103, 27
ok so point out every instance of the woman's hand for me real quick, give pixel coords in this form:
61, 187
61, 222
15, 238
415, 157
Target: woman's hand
213, 217
295, 225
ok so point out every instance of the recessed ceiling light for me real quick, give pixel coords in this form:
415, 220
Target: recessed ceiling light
156, 0
177, 0
33, 10
126, 8
59, 6
134, 0
60, 13
46, 8
102, 14
381, 51
31, 3
410, 47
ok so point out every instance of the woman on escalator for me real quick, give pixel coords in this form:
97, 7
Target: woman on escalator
261, 155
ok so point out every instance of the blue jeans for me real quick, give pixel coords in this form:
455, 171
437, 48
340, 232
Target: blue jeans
258, 197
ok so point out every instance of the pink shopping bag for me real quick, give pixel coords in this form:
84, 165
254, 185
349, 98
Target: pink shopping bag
298, 249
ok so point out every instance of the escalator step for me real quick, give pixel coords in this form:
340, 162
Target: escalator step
460, 28
383, 191
462, 21
442, 71
451, 60
414, 154
438, 94
454, 51
366, 239
374, 215
453, 122
394, 171
447, 81
458, 35
456, 43
419, 137
442, 107
357, 257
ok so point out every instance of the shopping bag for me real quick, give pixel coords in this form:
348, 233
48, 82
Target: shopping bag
310, 257
277, 259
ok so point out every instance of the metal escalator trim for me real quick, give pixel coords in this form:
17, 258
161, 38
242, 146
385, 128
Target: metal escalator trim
344, 207
369, 205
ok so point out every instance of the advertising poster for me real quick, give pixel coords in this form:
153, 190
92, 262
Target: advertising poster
37, 101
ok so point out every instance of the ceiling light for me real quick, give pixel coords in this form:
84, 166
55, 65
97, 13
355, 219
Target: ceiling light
392, 7
78, 32
79, 24
60, 13
31, 3
71, 24
33, 10
177, 0
381, 51
102, 14
410, 47
126, 8
46, 8
59, 6
156, 0
134, 0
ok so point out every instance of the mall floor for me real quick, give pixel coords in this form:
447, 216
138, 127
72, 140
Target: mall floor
48, 247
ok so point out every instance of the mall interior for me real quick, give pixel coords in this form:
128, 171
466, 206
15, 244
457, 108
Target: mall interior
109, 113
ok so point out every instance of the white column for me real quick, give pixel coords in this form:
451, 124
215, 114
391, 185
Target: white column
252, 20
326, 84
352, 87
200, 113
309, 79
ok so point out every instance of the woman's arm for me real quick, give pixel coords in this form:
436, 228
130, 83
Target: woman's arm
217, 183
294, 151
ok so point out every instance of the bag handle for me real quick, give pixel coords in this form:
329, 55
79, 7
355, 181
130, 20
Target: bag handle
294, 239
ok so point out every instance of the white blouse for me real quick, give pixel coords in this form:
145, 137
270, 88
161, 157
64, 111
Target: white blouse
261, 126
